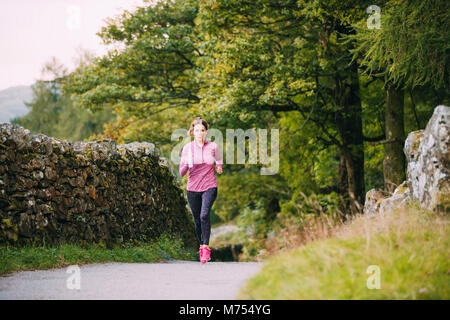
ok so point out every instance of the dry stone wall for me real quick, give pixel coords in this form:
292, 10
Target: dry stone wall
57, 191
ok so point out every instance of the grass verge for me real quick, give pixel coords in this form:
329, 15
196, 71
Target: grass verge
44, 257
409, 249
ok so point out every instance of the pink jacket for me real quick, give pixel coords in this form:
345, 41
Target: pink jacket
201, 165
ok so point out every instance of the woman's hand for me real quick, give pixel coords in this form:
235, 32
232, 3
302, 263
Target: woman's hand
218, 170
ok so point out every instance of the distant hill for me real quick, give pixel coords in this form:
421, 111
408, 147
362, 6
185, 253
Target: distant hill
12, 102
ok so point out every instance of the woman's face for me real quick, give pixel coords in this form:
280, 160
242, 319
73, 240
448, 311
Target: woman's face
199, 133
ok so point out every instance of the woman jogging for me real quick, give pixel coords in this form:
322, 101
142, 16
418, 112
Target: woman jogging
198, 157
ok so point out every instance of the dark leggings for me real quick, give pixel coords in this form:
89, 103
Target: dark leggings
201, 203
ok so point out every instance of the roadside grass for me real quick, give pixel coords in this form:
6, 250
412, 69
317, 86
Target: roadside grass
409, 246
14, 259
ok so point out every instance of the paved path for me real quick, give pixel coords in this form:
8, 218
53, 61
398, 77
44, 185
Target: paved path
172, 280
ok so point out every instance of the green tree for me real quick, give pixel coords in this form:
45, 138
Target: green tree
289, 57
151, 82
409, 50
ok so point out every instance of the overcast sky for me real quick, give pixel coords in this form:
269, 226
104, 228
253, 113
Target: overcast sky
33, 31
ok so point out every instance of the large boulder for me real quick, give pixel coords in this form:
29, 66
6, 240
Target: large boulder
428, 170
427, 152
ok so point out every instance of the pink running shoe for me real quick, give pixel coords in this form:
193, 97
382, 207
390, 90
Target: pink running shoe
206, 255
201, 253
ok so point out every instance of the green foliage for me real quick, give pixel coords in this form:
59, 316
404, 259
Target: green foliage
303, 165
247, 189
155, 71
411, 46
373, 98
289, 57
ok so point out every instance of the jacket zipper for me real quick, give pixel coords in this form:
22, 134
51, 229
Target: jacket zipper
193, 151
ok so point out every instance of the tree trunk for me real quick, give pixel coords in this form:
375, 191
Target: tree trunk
394, 158
343, 179
343, 184
354, 163
349, 124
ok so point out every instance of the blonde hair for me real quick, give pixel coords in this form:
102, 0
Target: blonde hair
197, 120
